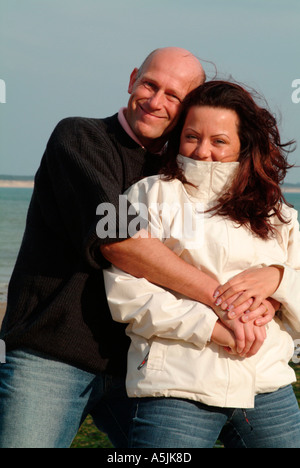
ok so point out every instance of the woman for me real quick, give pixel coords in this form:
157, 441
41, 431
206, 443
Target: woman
184, 369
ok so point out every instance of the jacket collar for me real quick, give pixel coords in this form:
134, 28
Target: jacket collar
210, 178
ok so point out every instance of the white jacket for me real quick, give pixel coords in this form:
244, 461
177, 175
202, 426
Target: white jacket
171, 354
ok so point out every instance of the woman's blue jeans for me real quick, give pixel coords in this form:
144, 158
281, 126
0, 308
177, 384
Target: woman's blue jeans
176, 423
43, 403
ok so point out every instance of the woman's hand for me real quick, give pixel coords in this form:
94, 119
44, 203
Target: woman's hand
255, 334
222, 336
244, 340
257, 284
248, 337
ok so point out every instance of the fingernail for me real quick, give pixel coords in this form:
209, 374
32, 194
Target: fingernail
230, 307
232, 314
218, 302
216, 294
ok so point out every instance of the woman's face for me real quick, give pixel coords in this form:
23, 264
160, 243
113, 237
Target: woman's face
210, 134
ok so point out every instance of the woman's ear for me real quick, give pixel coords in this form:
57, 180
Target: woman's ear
132, 81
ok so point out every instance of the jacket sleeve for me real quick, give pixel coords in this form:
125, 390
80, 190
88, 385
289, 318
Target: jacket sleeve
152, 311
288, 293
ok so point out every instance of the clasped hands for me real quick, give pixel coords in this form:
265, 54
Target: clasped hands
244, 307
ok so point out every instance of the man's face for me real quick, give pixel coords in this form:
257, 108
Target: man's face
157, 92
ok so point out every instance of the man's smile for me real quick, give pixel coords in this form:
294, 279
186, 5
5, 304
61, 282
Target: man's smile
150, 114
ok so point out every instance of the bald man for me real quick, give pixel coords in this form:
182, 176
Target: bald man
65, 356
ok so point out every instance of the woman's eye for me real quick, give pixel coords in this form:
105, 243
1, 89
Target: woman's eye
191, 137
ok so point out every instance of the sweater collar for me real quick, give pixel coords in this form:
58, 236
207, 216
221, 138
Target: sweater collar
126, 126
210, 178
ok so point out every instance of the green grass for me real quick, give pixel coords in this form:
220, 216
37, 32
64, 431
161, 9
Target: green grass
89, 436
296, 386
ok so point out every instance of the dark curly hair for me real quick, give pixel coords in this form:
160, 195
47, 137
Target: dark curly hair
255, 194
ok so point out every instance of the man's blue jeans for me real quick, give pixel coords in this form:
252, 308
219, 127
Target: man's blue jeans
175, 423
43, 403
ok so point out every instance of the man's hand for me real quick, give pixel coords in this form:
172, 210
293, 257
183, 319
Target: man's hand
263, 314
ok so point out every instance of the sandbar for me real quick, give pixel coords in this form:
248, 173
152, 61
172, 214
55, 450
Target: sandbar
30, 184
2, 311
291, 189
16, 184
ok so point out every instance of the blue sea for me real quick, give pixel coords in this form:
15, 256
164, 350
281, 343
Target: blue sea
13, 211
14, 204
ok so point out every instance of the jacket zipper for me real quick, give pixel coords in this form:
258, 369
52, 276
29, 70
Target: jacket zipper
144, 362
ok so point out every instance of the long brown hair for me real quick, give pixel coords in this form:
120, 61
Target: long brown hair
255, 194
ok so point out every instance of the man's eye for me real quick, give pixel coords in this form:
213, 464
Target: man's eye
174, 97
149, 85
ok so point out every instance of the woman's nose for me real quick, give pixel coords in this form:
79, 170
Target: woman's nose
203, 151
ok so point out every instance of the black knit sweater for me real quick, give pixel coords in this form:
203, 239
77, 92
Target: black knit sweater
56, 299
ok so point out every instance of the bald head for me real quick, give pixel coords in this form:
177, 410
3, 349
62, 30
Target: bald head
180, 59
157, 90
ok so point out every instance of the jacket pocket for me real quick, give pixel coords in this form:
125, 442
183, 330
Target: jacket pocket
157, 356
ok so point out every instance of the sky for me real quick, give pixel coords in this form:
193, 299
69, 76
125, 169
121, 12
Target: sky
61, 58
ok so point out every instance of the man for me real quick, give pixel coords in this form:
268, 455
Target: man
65, 356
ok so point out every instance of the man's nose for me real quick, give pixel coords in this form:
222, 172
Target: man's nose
156, 100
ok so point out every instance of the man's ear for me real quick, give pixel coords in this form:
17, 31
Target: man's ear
133, 78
